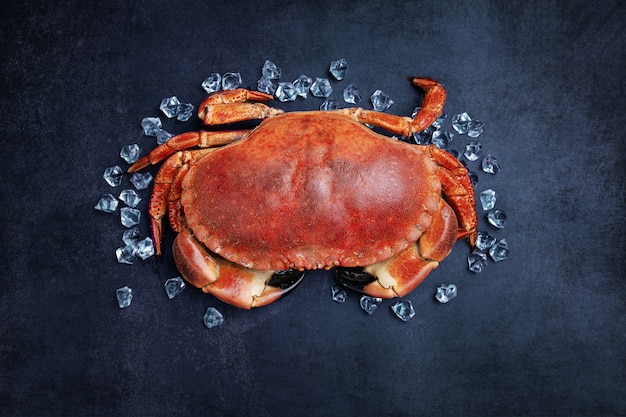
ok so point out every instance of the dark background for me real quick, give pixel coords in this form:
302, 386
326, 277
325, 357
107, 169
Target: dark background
540, 334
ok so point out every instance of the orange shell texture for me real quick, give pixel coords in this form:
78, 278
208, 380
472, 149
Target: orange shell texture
311, 190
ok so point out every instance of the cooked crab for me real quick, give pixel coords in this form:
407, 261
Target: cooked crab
254, 209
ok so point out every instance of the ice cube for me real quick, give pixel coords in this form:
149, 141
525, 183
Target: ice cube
475, 128
231, 80
129, 216
370, 304
499, 251
212, 83
380, 101
213, 318
124, 296
404, 310
141, 180
170, 106
442, 139
460, 123
473, 177
484, 240
163, 136
303, 85
286, 92
472, 150
488, 199
271, 71
338, 293
445, 293
266, 86
185, 112
126, 254
130, 198
329, 104
113, 175
144, 248
497, 218
107, 204
130, 153
321, 87
424, 137
351, 94
151, 125
338, 68
476, 261
174, 286
131, 236
490, 164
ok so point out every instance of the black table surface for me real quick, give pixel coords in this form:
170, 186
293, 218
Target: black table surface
542, 333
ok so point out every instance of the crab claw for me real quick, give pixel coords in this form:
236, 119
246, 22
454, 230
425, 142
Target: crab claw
232, 283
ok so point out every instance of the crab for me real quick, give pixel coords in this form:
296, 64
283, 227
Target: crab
254, 209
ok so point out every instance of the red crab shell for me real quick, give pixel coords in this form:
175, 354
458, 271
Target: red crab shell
311, 190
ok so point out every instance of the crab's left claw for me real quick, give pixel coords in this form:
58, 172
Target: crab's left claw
232, 283
402, 273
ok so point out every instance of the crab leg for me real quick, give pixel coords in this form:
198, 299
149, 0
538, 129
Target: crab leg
233, 106
202, 139
458, 191
432, 106
166, 193
234, 284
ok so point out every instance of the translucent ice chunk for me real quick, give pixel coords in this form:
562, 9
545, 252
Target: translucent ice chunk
170, 106
130, 153
212, 83
460, 123
338, 68
338, 293
286, 92
404, 310
266, 86
488, 199
129, 216
329, 104
475, 128
442, 139
351, 94
124, 296
490, 164
213, 318
231, 80
303, 85
151, 125
380, 101
477, 261
484, 240
497, 218
126, 254
472, 150
141, 180
321, 87
144, 248
271, 71
174, 286
499, 251
445, 293
113, 175
473, 177
131, 236
424, 137
130, 198
107, 204
163, 136
185, 111
370, 304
